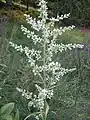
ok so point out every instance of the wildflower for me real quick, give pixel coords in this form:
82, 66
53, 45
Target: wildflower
41, 58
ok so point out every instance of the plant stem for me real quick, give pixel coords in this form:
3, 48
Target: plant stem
44, 62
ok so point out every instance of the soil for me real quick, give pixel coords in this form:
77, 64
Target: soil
85, 30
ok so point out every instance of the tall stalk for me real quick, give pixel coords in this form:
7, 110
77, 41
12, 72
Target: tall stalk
44, 56
41, 61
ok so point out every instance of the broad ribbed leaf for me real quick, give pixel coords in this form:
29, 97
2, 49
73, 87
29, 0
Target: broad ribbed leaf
6, 109
7, 117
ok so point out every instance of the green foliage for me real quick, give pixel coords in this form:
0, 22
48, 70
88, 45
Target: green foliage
79, 10
14, 15
18, 15
74, 36
4, 1
32, 12
6, 112
6, 109
16, 116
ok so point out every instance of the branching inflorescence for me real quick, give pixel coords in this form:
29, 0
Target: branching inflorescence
48, 70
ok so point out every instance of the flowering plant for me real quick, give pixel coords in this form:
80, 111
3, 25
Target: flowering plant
41, 60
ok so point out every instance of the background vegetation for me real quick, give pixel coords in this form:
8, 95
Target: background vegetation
79, 9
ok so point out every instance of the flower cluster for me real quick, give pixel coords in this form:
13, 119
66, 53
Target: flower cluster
37, 101
32, 54
36, 25
31, 34
43, 10
61, 30
62, 47
60, 18
52, 67
25, 93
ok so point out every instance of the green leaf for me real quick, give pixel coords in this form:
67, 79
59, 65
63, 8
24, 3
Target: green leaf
47, 109
6, 109
3, 1
7, 117
17, 115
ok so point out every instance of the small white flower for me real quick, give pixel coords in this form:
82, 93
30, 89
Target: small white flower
37, 118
